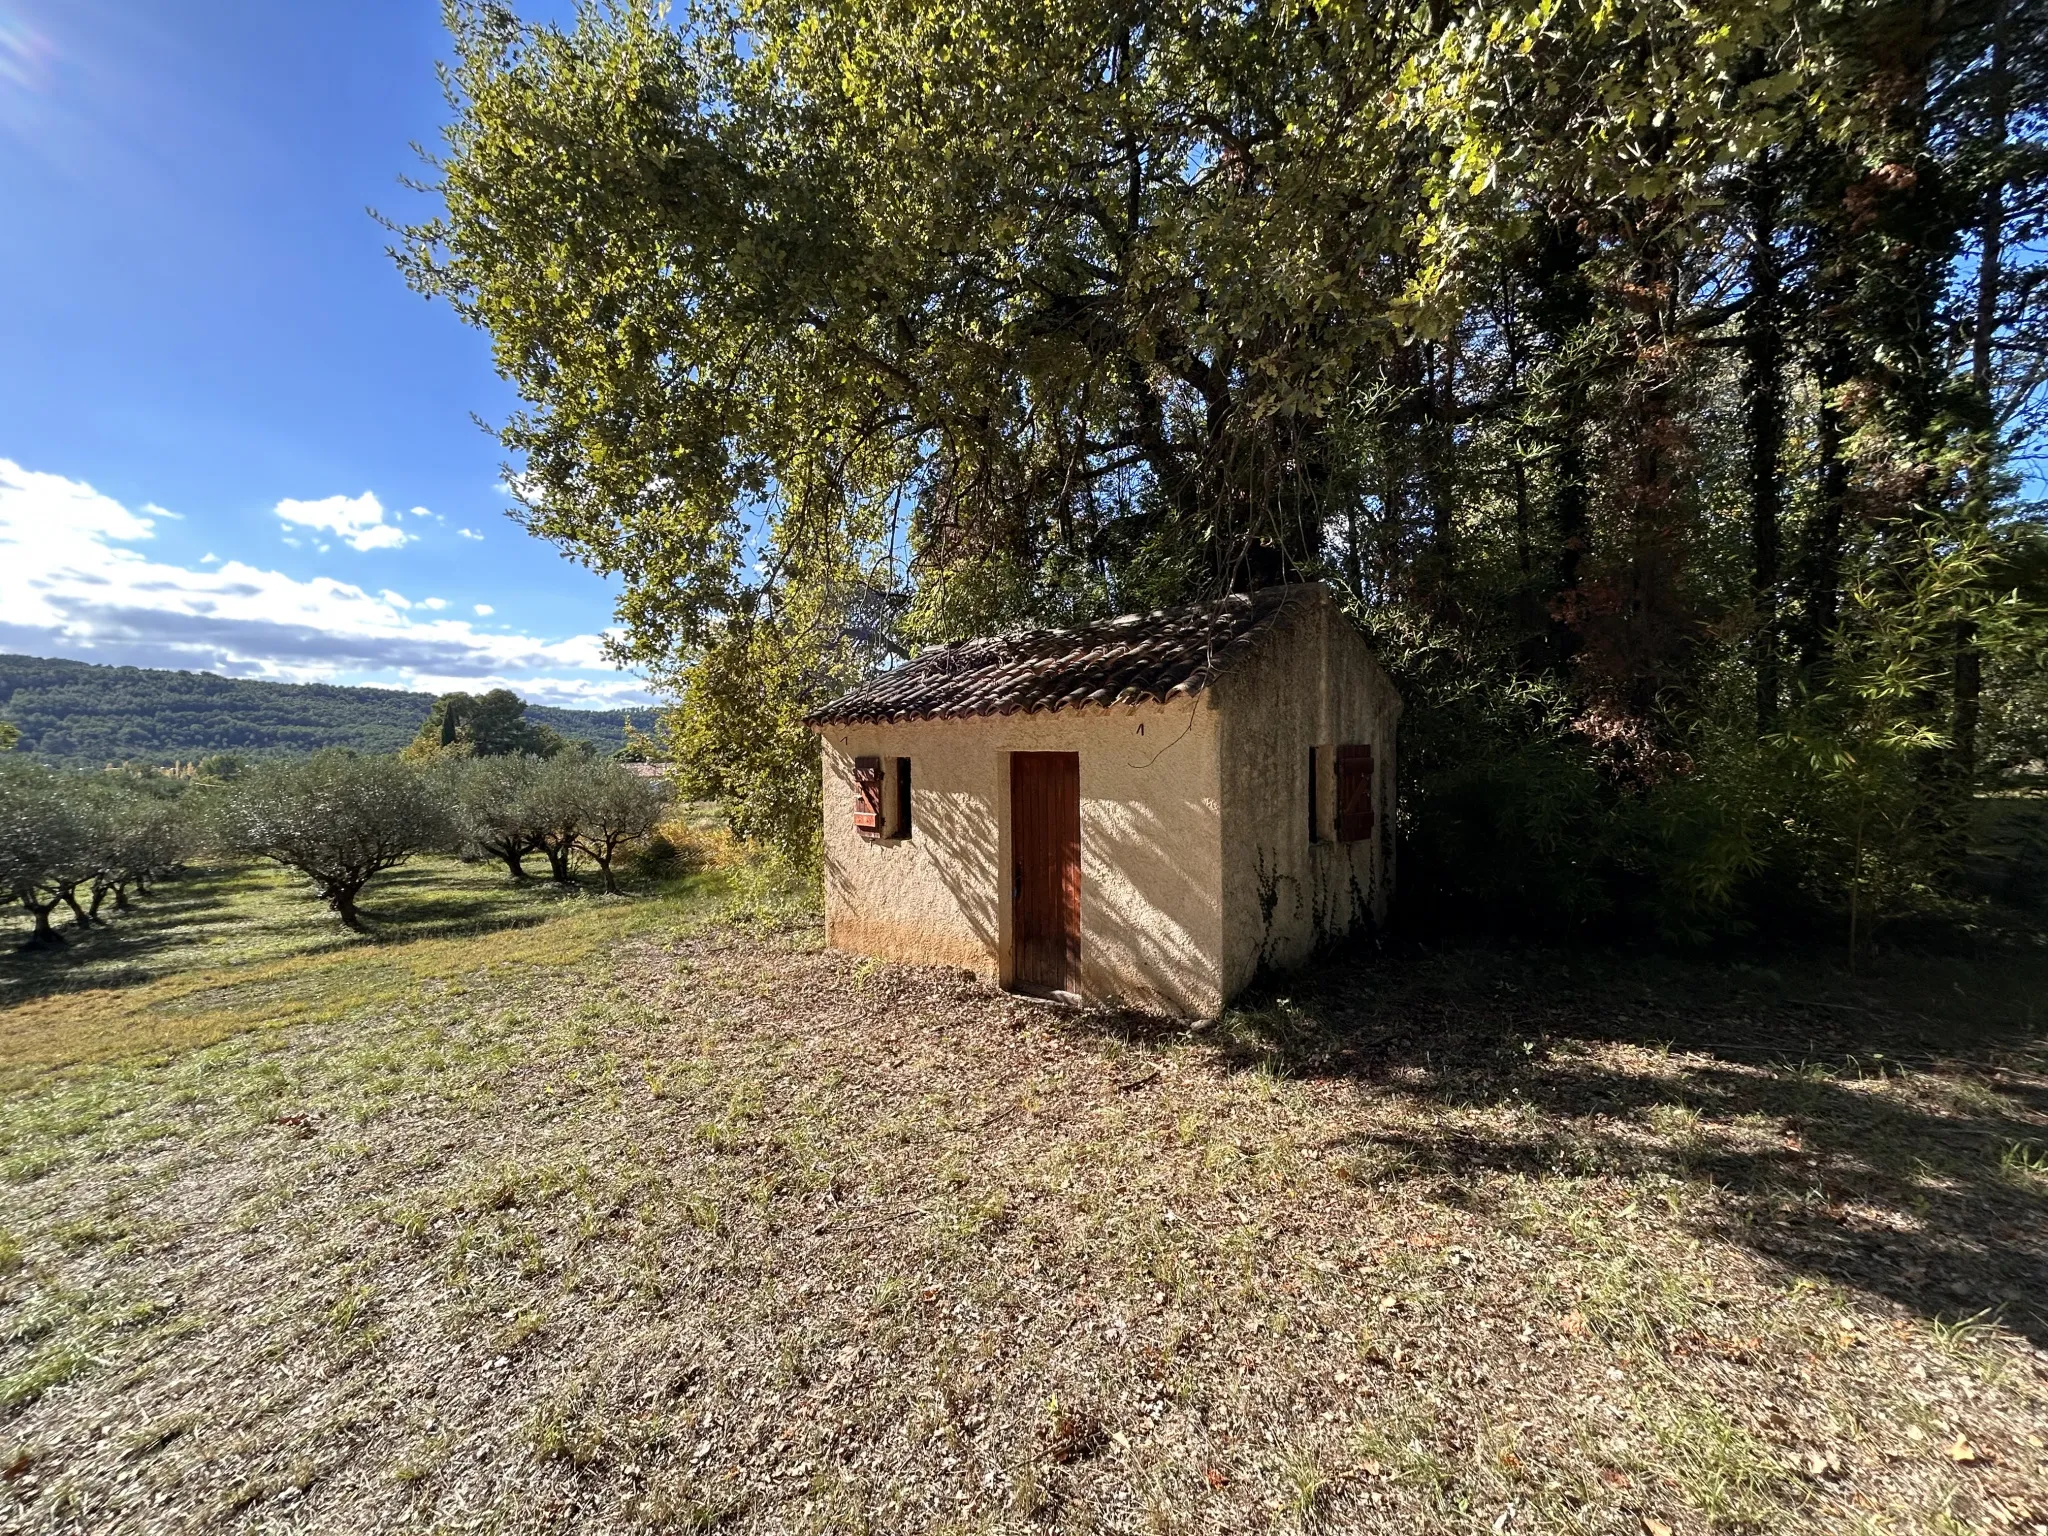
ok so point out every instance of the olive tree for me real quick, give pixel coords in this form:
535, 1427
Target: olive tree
44, 842
618, 807
147, 833
493, 803
337, 818
555, 804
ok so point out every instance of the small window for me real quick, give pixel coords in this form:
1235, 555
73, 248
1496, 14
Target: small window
867, 796
1315, 821
902, 826
1354, 794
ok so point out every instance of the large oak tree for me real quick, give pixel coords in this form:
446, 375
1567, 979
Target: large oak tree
1649, 377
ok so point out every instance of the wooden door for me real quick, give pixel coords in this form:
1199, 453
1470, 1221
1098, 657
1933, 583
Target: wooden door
1045, 879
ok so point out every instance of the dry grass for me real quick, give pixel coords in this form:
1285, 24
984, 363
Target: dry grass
701, 1227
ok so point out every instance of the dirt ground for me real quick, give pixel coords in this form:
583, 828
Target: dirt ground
714, 1229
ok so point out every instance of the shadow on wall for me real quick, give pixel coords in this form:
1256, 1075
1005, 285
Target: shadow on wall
1761, 1091
1168, 927
965, 842
1155, 928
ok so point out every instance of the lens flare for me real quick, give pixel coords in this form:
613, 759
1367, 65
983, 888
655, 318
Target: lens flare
25, 54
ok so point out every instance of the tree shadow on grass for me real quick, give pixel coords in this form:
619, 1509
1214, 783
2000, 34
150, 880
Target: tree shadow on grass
409, 903
118, 950
1888, 1133
177, 925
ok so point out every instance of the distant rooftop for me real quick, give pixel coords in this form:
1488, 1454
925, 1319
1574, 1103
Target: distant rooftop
1142, 658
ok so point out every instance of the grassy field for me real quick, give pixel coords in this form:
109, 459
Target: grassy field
550, 1212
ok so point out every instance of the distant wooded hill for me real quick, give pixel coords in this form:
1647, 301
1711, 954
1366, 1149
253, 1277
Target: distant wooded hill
77, 713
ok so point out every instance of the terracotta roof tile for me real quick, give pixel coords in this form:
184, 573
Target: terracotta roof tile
1140, 658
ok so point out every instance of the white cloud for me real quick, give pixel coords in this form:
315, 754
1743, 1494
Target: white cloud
421, 512
73, 583
469, 533
358, 521
484, 610
209, 558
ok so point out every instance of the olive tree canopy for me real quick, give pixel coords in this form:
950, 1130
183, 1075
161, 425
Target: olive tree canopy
619, 807
45, 841
336, 818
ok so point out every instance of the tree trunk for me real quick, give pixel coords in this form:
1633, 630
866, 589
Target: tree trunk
1437, 428
1968, 673
45, 936
70, 899
1821, 599
121, 898
558, 863
342, 898
604, 864
515, 863
1561, 307
1763, 347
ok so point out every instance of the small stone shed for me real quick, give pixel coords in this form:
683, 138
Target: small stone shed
1149, 809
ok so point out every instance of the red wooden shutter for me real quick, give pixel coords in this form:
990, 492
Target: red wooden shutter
1354, 794
867, 795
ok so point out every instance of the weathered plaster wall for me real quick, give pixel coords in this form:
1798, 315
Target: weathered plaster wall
1316, 684
1151, 848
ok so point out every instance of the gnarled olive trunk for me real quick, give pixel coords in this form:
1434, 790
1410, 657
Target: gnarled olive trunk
342, 899
45, 936
79, 916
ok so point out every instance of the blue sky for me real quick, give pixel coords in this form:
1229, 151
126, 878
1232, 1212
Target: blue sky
205, 352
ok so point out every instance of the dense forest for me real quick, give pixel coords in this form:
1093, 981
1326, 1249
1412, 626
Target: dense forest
75, 713
1656, 382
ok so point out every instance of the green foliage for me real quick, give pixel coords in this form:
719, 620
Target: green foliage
10, 735
84, 715
66, 836
619, 809
639, 747
337, 818
491, 725
1651, 379
738, 737
45, 840
556, 807
492, 803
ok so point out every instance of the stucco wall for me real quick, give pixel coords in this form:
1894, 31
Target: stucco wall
1151, 848
1316, 684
